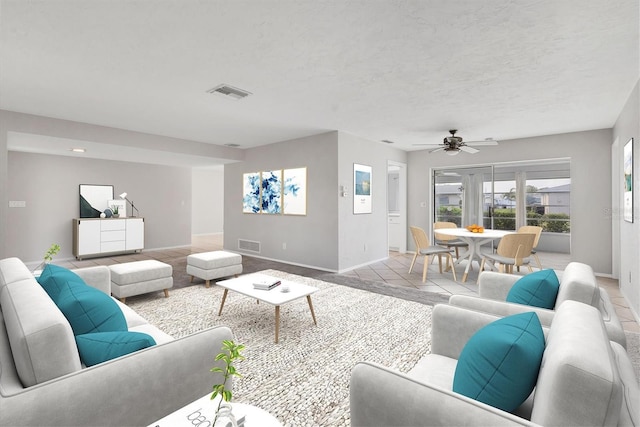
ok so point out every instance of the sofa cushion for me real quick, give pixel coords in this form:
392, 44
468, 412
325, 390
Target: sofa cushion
90, 310
499, 364
538, 289
54, 278
99, 347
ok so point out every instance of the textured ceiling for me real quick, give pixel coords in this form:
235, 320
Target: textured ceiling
402, 70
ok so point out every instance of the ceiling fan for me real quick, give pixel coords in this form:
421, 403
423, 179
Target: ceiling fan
453, 144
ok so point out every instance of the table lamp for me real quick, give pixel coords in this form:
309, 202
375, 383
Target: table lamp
133, 208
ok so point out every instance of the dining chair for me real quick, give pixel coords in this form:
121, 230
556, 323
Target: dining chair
423, 247
513, 250
448, 241
538, 232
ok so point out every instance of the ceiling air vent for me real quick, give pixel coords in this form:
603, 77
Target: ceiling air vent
229, 92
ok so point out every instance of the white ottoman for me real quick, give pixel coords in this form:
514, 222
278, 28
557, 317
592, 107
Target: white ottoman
140, 277
213, 265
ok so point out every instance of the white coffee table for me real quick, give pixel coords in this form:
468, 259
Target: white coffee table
201, 412
244, 285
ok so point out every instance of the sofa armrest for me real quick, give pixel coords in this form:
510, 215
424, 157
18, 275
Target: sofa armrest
136, 389
382, 397
495, 285
453, 326
500, 308
99, 277
610, 318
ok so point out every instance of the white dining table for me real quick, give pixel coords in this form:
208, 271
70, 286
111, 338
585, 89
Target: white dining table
474, 242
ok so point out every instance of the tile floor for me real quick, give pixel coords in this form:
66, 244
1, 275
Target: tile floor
393, 271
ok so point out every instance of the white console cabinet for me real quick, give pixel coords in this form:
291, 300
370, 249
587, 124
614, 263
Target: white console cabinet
96, 236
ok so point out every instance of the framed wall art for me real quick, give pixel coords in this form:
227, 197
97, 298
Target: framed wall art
628, 181
251, 192
294, 191
94, 199
271, 192
361, 189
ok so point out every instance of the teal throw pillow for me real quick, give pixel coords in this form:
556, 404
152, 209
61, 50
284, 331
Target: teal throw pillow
102, 346
539, 289
89, 310
499, 365
54, 278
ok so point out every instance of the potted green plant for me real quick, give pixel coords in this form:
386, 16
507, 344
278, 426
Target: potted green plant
115, 210
48, 256
229, 355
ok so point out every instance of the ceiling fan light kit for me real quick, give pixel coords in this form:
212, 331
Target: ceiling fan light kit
453, 144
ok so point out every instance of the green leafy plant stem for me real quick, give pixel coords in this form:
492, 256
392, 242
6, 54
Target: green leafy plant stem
229, 355
48, 256
53, 249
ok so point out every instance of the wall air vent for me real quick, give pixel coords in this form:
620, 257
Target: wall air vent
232, 145
249, 245
229, 92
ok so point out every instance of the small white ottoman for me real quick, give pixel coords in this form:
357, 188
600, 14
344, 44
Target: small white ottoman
213, 265
140, 277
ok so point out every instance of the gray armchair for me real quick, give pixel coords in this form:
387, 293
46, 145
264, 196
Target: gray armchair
577, 283
580, 381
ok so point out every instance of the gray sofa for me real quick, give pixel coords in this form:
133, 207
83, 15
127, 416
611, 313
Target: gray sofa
584, 380
43, 382
577, 283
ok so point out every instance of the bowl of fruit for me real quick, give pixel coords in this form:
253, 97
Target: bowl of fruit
475, 228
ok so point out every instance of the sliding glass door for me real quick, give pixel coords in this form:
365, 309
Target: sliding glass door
464, 196
508, 195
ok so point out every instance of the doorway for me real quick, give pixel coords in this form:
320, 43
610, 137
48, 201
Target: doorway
397, 206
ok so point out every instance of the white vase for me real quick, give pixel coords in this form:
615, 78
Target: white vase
225, 417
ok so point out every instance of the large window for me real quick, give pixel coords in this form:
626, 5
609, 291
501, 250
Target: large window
546, 190
546, 204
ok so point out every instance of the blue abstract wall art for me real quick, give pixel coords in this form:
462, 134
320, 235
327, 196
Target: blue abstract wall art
295, 191
251, 192
271, 196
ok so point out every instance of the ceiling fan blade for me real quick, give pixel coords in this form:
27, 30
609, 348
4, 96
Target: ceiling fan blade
436, 149
484, 142
467, 149
426, 144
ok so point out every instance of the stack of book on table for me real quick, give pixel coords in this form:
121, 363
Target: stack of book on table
266, 284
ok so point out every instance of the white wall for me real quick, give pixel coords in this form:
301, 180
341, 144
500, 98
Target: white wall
208, 199
330, 236
4, 199
590, 184
311, 240
363, 238
628, 126
50, 185
155, 189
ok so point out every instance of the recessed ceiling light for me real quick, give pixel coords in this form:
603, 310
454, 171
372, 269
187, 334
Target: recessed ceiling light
78, 150
229, 92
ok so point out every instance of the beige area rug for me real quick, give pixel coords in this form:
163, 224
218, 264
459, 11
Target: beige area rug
304, 379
